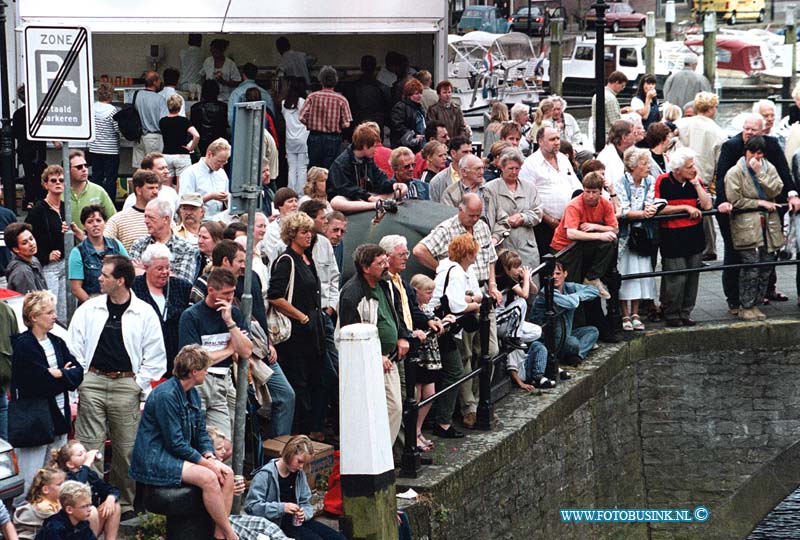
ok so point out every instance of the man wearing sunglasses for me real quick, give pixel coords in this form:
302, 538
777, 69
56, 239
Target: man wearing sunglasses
84, 193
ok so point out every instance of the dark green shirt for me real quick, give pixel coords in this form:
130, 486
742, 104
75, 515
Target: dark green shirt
387, 328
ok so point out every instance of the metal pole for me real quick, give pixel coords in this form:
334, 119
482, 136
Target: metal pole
650, 47
556, 55
791, 40
69, 240
669, 18
410, 460
483, 418
710, 46
548, 286
8, 170
529, 17
600, 76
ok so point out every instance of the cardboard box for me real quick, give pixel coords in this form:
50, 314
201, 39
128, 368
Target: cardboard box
319, 466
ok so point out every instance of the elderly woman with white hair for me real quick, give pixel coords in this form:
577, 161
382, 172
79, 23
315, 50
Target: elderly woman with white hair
569, 129
681, 240
636, 191
515, 206
168, 295
520, 113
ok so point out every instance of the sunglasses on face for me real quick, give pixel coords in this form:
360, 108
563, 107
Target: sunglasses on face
80, 166
57, 180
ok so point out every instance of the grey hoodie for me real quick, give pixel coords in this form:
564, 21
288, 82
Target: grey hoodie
28, 520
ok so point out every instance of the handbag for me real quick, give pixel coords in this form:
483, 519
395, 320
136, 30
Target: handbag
640, 242
30, 423
467, 321
279, 326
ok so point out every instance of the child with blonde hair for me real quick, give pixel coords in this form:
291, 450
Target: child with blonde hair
40, 503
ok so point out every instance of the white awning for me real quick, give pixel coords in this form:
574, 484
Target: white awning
239, 16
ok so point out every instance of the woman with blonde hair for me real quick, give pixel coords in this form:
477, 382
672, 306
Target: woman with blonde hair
314, 188
498, 115
294, 290
280, 493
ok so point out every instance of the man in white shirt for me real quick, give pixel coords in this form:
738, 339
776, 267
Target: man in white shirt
171, 77
191, 62
117, 339
293, 63
620, 137
208, 178
555, 180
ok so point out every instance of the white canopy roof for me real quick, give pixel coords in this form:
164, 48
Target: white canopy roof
238, 16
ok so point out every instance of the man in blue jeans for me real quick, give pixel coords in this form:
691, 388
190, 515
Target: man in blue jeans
567, 297
325, 113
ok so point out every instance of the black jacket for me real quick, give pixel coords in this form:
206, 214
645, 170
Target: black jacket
404, 125
210, 118
31, 378
46, 225
733, 149
356, 180
59, 527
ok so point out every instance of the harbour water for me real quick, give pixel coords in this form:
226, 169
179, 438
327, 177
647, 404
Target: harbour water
783, 523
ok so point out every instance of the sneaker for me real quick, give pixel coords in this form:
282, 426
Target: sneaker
748, 314
599, 285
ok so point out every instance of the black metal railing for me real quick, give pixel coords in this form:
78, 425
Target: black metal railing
410, 461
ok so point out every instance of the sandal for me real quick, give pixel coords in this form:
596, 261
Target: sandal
637, 323
626, 324
424, 444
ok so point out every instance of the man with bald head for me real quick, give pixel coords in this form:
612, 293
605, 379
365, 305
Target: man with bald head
470, 169
729, 155
555, 180
432, 249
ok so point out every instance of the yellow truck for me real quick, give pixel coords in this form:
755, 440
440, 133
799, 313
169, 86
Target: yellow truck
731, 11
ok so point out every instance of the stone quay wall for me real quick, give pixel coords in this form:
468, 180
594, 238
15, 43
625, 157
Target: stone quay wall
674, 419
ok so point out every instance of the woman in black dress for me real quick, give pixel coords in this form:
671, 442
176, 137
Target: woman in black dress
300, 356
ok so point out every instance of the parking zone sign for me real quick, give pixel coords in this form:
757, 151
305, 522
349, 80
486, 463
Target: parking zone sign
59, 84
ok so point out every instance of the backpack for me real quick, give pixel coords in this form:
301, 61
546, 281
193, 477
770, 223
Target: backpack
129, 122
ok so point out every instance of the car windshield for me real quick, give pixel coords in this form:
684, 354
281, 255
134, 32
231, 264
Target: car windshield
475, 13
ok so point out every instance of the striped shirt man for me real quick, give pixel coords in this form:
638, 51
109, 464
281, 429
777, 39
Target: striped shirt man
126, 226
326, 111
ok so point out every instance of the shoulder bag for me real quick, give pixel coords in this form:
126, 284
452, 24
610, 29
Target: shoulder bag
279, 325
30, 422
467, 321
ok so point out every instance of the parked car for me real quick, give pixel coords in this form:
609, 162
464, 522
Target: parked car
732, 10
11, 483
536, 16
618, 15
484, 18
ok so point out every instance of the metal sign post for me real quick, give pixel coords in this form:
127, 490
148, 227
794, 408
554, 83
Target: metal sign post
245, 190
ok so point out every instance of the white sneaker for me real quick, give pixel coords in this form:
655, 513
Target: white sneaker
599, 285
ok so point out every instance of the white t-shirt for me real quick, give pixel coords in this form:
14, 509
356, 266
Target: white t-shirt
166, 193
296, 131
52, 361
229, 73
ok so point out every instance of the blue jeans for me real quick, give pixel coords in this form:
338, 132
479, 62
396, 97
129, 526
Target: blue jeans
323, 148
581, 341
104, 172
282, 402
535, 361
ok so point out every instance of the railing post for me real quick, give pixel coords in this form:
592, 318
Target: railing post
483, 420
614, 282
410, 460
548, 286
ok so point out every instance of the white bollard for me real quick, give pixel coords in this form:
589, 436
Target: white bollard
366, 463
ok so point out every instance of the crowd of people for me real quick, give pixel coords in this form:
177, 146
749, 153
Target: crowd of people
158, 284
